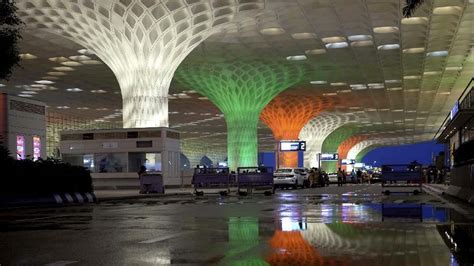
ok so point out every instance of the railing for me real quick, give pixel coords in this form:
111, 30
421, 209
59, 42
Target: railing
466, 101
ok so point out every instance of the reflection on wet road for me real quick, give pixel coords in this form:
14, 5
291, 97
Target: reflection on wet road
284, 229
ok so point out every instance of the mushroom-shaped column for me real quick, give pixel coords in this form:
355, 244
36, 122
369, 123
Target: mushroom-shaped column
240, 89
332, 142
142, 41
347, 144
316, 131
286, 115
354, 152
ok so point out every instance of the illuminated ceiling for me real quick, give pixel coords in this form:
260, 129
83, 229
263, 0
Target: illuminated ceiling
395, 78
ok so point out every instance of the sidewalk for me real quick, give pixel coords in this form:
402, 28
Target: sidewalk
105, 195
436, 188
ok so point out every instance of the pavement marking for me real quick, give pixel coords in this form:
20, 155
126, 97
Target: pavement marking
61, 262
68, 197
89, 197
162, 238
58, 199
79, 197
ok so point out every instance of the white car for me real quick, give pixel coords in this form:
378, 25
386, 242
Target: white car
290, 177
332, 177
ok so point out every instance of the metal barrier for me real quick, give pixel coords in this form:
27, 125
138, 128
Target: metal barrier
410, 176
151, 182
258, 178
211, 178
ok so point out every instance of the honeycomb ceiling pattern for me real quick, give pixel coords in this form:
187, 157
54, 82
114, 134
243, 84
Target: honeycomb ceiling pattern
395, 78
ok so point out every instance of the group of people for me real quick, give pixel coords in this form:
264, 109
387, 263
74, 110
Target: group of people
318, 178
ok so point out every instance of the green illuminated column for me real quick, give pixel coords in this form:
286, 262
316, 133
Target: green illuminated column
332, 142
240, 89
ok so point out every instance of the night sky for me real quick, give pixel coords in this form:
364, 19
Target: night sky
404, 154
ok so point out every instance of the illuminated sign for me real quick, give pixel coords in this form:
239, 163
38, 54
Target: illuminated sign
296, 145
329, 157
454, 110
36, 147
20, 147
359, 165
348, 161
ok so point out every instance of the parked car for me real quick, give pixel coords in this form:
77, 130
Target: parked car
290, 177
332, 178
375, 178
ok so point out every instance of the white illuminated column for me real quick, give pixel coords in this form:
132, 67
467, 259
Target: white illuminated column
142, 41
316, 131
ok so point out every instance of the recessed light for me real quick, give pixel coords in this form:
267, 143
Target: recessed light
336, 45
333, 39
79, 57
447, 10
362, 43
85, 51
415, 50
360, 37
82, 108
338, 84
386, 29
98, 91
388, 46
101, 109
272, 31
303, 35
27, 56
296, 57
437, 53
453, 68
58, 59
74, 89
412, 77
2, 85
44, 81
28, 92
415, 20
344, 91
358, 86
318, 82
330, 94
71, 63
393, 81
91, 62
315, 51
431, 73
63, 107
25, 95
63, 68
203, 98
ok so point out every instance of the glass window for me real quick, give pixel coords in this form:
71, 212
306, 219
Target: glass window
110, 162
88, 161
36, 147
20, 147
152, 161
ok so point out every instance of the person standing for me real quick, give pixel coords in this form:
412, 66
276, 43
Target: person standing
359, 176
340, 176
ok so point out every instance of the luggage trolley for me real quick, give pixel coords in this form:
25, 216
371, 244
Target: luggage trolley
258, 178
409, 174
211, 178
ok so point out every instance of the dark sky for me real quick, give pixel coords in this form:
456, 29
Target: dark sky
404, 154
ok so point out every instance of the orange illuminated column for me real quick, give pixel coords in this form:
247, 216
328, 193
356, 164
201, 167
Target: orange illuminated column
286, 115
347, 144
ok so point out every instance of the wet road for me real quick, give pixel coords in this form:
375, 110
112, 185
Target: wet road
353, 225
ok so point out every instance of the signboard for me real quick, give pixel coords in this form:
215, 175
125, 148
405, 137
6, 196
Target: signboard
20, 147
359, 165
454, 110
36, 147
296, 145
329, 157
348, 161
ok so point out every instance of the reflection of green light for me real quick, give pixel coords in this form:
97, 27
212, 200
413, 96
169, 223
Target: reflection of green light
344, 229
243, 237
240, 89
364, 152
332, 142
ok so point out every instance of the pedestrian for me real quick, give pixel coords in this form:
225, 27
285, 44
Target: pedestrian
140, 173
353, 176
340, 176
359, 176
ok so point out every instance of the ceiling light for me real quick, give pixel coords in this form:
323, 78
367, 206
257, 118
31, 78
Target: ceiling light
27, 56
25, 95
79, 57
63, 68
44, 81
330, 94
58, 59
412, 77
412, 90
203, 98
28, 92
385, 29
453, 68
388, 46
2, 85
85, 51
338, 83
98, 91
56, 73
344, 91
303, 35
358, 86
393, 81
296, 57
272, 31
431, 73
362, 43
445, 93
74, 89
336, 45
333, 39
414, 50
318, 82
437, 53
71, 63
354, 38
101, 109
315, 51
82, 108
447, 10
63, 107
91, 62
414, 20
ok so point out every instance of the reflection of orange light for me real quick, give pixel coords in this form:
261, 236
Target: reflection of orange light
290, 248
287, 114
347, 145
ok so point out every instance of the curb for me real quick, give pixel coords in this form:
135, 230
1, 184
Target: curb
142, 196
49, 200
